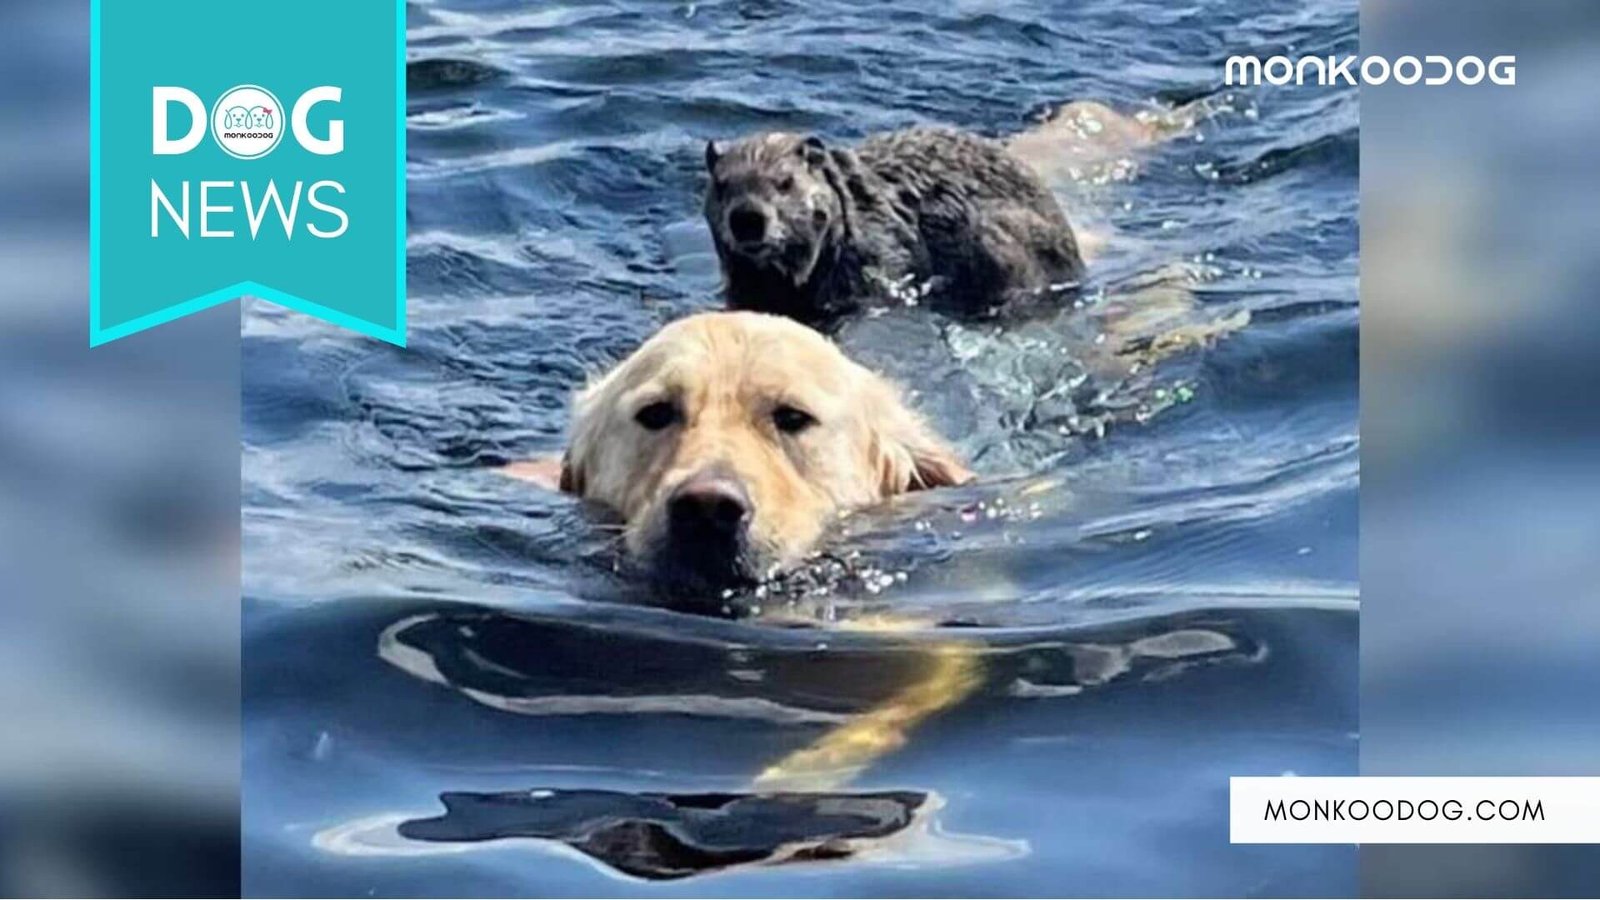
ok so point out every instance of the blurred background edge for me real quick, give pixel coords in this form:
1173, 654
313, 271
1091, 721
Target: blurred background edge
1480, 539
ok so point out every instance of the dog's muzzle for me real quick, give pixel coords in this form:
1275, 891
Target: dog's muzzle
706, 542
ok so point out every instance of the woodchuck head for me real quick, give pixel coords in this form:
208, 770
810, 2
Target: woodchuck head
772, 206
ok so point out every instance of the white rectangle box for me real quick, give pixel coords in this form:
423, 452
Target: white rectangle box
1393, 810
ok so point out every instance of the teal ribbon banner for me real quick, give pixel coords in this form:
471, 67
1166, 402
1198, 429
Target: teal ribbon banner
247, 150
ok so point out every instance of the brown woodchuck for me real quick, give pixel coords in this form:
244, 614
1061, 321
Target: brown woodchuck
932, 216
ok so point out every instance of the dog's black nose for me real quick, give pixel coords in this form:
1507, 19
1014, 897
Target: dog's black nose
747, 225
710, 505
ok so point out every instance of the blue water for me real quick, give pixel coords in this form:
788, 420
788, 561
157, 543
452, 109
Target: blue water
1159, 572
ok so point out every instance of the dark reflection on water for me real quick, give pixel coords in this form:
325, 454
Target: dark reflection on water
663, 836
1053, 672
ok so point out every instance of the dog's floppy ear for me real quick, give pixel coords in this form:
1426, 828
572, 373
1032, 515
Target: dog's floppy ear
549, 472
907, 454
921, 463
712, 155
572, 478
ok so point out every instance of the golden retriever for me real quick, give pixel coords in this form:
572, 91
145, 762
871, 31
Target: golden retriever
730, 440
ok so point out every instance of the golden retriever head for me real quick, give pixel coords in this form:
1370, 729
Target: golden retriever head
729, 441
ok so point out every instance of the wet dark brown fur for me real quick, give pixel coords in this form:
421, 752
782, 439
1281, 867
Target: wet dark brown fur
815, 232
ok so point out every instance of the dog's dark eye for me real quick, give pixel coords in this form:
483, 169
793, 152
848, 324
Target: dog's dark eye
791, 421
656, 416
786, 184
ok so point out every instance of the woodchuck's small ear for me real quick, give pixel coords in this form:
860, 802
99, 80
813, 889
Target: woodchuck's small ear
712, 155
812, 150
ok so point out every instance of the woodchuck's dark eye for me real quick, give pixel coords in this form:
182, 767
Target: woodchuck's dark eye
786, 184
790, 420
656, 416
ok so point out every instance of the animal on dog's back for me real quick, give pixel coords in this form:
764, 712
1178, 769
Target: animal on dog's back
815, 232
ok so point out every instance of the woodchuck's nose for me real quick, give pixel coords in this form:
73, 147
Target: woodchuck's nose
747, 224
